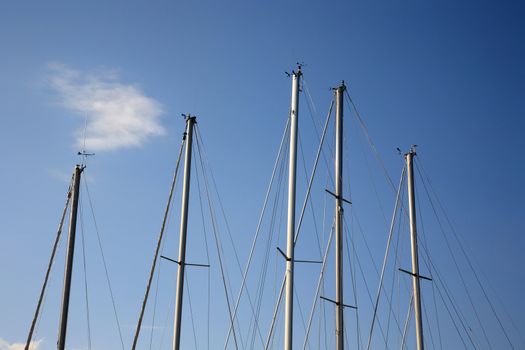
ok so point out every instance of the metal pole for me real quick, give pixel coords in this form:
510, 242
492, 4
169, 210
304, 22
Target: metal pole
190, 121
413, 241
294, 113
339, 326
69, 259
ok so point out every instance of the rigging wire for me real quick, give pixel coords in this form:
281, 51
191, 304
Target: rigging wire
383, 268
460, 317
228, 230
395, 272
310, 182
463, 250
278, 261
311, 200
153, 317
314, 169
299, 224
157, 249
312, 112
205, 234
396, 280
49, 266
372, 145
300, 309
215, 234
456, 264
155, 299
369, 138
207, 174
427, 323
498, 299
99, 241
202, 173
439, 282
81, 212
389, 302
437, 314
279, 202
166, 319
279, 198
319, 287
353, 274
422, 234
372, 182
322, 314
386, 174
310, 104
275, 311
256, 236
215, 187
407, 322
191, 311
352, 240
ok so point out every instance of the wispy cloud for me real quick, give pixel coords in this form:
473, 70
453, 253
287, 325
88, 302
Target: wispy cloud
118, 115
4, 345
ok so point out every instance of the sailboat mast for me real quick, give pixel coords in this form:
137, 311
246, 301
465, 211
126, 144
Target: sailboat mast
339, 327
413, 242
190, 122
69, 259
294, 113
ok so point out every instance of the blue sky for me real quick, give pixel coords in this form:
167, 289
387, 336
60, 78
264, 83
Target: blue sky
448, 76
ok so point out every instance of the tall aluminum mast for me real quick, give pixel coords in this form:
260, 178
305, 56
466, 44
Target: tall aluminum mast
413, 241
339, 325
190, 122
69, 259
294, 113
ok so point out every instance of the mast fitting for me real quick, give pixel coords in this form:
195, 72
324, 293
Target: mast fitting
415, 275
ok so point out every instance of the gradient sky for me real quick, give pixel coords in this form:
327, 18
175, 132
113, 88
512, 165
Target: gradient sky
448, 76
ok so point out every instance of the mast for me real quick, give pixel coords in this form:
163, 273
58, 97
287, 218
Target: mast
339, 326
413, 242
294, 113
69, 259
190, 122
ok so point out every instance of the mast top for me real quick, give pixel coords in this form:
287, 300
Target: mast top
189, 116
412, 151
296, 73
80, 167
341, 87
299, 72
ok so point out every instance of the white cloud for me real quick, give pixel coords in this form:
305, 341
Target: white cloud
118, 115
4, 345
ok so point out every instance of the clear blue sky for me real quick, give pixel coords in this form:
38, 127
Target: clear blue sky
448, 76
